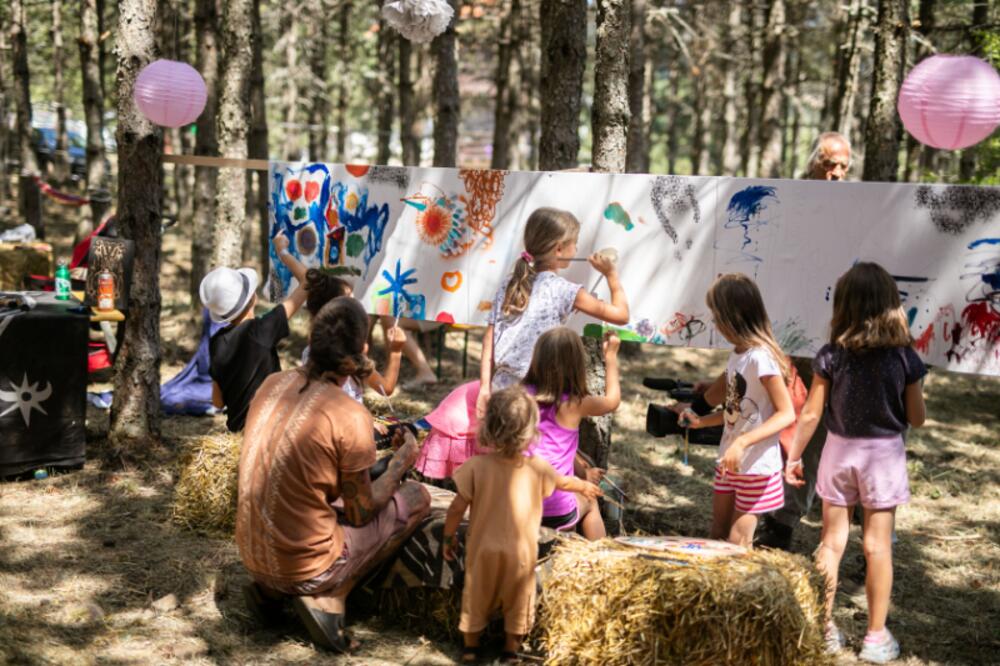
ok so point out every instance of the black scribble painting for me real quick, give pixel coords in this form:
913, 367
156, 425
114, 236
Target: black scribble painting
671, 198
956, 207
398, 176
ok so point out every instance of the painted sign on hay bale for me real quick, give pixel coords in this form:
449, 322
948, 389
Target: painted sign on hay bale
435, 244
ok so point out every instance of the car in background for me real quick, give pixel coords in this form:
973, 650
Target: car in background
44, 139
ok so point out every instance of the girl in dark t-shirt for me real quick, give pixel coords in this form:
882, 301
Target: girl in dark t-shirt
869, 379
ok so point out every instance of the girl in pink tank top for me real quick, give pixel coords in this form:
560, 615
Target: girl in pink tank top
557, 380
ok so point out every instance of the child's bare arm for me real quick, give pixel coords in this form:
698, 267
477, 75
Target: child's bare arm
217, 400
808, 421
298, 296
386, 383
575, 485
598, 405
485, 372
451, 522
695, 421
784, 416
913, 399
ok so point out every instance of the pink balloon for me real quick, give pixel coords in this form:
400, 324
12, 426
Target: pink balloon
170, 93
950, 101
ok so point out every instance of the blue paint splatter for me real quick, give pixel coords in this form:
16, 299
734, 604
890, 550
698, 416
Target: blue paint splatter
986, 266
372, 219
744, 210
984, 241
404, 304
289, 219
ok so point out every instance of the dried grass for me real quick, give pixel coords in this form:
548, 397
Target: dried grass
205, 494
606, 603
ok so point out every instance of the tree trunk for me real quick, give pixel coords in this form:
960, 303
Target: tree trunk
29, 196
135, 408
637, 156
93, 112
749, 148
977, 38
506, 96
346, 60
258, 143
6, 144
926, 155
206, 22
848, 79
772, 85
673, 115
319, 107
564, 56
290, 36
236, 31
60, 157
730, 113
883, 128
528, 40
386, 77
407, 109
611, 75
446, 109
792, 159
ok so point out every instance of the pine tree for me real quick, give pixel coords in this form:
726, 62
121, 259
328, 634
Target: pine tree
564, 56
882, 133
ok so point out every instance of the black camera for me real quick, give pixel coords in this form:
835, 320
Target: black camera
662, 421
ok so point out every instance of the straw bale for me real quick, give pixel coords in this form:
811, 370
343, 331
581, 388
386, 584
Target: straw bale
205, 494
606, 603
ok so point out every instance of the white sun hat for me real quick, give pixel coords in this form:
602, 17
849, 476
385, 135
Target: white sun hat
226, 292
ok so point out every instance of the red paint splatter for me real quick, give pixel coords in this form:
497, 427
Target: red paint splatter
434, 224
445, 318
356, 170
312, 190
923, 343
293, 189
983, 321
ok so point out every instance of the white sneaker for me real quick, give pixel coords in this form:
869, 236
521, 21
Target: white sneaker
834, 639
881, 652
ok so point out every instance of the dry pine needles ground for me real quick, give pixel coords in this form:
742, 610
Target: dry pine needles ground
605, 603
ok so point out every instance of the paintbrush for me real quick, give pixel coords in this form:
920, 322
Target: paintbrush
611, 254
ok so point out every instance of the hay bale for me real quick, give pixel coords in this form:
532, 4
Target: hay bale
608, 603
205, 493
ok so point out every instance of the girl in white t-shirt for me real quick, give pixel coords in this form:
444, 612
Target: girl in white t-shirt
748, 478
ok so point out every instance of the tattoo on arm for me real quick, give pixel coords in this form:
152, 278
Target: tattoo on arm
356, 491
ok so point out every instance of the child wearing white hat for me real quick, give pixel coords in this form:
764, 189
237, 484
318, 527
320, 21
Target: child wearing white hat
245, 352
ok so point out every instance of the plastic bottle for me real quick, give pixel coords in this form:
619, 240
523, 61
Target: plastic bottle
62, 281
105, 291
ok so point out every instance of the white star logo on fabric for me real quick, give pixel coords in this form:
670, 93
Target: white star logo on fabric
26, 397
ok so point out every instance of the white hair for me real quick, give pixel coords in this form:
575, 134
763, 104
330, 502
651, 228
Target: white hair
814, 156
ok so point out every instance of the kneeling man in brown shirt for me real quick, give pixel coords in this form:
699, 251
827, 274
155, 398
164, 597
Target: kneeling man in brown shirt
310, 521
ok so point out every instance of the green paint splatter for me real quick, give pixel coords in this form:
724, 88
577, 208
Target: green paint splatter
300, 213
618, 215
597, 331
355, 245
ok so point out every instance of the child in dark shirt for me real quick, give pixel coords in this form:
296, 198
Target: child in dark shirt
245, 352
870, 378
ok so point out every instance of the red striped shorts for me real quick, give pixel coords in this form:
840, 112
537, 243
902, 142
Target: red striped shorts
755, 493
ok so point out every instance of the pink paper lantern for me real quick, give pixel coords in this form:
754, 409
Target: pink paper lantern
170, 93
950, 102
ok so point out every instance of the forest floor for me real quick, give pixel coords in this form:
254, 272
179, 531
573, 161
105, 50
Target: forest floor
89, 559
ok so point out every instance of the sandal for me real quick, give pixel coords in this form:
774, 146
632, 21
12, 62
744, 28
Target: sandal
325, 629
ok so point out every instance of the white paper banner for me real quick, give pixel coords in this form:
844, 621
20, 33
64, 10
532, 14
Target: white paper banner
435, 244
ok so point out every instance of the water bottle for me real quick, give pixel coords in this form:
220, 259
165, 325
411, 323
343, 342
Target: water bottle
62, 281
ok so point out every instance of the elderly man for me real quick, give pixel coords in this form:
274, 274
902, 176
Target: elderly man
830, 158
310, 521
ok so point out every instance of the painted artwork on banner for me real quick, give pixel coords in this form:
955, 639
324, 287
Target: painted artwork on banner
436, 244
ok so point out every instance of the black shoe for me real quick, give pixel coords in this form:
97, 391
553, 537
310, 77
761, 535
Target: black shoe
775, 535
325, 629
265, 610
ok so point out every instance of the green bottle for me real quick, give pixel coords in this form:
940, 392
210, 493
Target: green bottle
62, 281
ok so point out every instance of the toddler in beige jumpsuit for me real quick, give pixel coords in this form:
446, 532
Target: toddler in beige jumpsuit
505, 490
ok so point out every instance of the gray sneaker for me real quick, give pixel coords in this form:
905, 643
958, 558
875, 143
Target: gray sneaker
834, 639
882, 652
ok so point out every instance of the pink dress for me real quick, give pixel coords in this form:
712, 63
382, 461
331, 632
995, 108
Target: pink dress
452, 439
557, 446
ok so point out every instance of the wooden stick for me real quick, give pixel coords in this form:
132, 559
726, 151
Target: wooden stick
204, 160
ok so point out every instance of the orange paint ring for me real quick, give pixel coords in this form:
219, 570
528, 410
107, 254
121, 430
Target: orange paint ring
451, 281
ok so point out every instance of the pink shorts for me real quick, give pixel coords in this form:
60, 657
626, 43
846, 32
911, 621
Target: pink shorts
869, 470
755, 493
